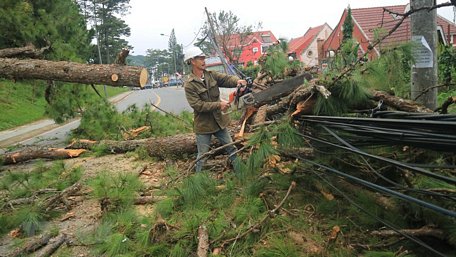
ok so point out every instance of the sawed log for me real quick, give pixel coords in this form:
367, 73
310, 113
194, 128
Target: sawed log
203, 241
107, 74
399, 103
33, 153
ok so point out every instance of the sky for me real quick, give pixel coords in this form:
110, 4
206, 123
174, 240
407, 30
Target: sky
288, 19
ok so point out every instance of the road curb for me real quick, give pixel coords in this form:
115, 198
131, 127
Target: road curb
42, 128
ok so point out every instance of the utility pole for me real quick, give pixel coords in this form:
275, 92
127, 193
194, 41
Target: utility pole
424, 38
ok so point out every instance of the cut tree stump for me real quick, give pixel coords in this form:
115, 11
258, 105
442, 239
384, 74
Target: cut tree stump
107, 74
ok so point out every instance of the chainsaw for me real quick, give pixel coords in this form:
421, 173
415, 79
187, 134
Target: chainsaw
271, 94
239, 92
244, 97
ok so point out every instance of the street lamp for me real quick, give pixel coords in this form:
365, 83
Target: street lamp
174, 54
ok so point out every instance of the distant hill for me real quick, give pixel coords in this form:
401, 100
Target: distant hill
136, 60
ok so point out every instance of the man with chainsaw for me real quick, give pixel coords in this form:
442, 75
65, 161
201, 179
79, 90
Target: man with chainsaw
203, 95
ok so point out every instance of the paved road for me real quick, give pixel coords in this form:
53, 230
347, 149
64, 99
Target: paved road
47, 133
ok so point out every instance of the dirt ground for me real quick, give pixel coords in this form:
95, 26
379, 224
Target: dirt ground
85, 212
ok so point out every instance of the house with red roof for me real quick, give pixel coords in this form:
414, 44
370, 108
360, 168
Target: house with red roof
367, 22
308, 47
251, 47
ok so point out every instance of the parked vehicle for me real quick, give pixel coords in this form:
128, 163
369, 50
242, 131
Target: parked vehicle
175, 82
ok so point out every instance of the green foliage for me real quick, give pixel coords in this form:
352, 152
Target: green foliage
114, 245
108, 27
287, 136
67, 101
197, 189
165, 207
447, 66
276, 61
279, 247
44, 23
179, 250
119, 189
23, 184
249, 210
101, 121
390, 72
347, 27
250, 70
344, 95
443, 96
31, 220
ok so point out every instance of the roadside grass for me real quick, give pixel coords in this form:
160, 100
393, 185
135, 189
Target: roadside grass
23, 102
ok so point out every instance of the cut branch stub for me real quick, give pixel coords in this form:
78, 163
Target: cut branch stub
114, 77
133, 76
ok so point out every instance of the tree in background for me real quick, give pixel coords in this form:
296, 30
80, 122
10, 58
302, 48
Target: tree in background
176, 53
347, 27
57, 24
160, 62
226, 24
109, 29
42, 23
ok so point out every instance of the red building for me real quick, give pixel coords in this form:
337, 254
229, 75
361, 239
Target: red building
250, 48
368, 21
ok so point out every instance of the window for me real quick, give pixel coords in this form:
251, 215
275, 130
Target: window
309, 53
255, 49
264, 49
266, 38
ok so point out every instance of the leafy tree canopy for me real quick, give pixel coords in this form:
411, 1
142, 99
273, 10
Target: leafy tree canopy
41, 23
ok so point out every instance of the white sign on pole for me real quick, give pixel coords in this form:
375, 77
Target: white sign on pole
424, 58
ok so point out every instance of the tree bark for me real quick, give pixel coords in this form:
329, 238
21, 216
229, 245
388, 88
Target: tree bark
203, 242
133, 76
28, 51
32, 153
31, 246
164, 147
399, 103
52, 246
424, 231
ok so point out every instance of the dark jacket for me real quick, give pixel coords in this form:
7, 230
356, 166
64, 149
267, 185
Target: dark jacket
204, 98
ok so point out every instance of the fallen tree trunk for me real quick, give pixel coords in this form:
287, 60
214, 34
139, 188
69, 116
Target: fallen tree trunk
164, 147
32, 153
399, 103
423, 231
31, 246
108, 74
52, 246
29, 51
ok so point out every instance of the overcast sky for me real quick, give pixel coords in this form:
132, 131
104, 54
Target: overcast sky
286, 19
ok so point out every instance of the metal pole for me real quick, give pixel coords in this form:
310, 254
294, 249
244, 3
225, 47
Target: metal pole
424, 37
